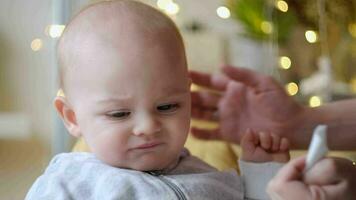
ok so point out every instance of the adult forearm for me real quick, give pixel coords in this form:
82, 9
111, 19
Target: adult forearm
340, 117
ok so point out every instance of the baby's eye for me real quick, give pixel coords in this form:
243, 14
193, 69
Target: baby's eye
168, 108
119, 114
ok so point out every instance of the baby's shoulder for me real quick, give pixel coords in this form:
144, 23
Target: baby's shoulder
63, 160
80, 174
74, 157
65, 164
81, 164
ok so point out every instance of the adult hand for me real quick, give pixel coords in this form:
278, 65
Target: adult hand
329, 179
243, 99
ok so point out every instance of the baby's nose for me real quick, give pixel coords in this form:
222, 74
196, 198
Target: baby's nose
146, 124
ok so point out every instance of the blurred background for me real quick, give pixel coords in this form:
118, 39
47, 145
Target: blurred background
307, 45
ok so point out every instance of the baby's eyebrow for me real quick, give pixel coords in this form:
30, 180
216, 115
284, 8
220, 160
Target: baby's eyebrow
114, 100
175, 91
168, 92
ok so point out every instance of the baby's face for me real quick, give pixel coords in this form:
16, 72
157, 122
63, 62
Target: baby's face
133, 105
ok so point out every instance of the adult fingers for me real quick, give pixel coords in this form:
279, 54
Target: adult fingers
211, 81
327, 171
294, 190
287, 185
243, 75
251, 78
204, 114
335, 176
205, 99
337, 191
234, 97
204, 105
293, 170
206, 134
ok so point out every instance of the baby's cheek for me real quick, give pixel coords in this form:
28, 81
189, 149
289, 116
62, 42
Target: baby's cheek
110, 144
112, 153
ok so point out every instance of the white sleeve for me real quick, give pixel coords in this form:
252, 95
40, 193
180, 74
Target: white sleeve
256, 176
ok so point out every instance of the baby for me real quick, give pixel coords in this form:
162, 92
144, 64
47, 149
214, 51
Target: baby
127, 93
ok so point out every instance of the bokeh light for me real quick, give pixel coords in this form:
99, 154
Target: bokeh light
292, 88
285, 62
282, 5
315, 101
223, 12
266, 27
311, 36
36, 44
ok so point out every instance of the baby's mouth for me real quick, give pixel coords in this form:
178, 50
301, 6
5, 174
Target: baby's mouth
148, 145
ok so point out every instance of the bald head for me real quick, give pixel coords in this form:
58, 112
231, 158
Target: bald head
110, 25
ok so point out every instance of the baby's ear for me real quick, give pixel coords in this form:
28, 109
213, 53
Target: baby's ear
68, 115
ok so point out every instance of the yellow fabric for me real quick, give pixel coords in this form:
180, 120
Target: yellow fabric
81, 146
217, 153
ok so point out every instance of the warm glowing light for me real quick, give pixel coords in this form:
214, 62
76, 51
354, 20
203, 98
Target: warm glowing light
353, 85
55, 31
266, 27
36, 44
194, 87
352, 29
162, 4
281, 5
292, 88
311, 36
285, 62
315, 101
172, 8
60, 93
223, 12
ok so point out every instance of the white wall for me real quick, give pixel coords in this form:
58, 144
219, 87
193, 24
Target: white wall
27, 77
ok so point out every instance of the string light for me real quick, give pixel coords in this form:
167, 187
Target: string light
223, 12
162, 4
285, 62
194, 87
60, 93
352, 29
172, 8
36, 44
353, 85
55, 30
281, 5
315, 101
311, 36
168, 6
266, 27
292, 88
